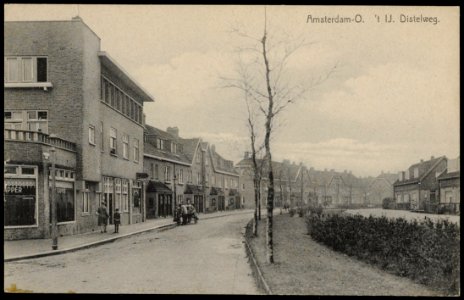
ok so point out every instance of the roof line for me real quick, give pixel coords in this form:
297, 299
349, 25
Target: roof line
167, 159
113, 61
431, 168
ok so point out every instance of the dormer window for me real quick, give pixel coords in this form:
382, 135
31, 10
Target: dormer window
173, 148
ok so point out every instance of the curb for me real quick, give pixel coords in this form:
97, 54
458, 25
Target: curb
254, 264
101, 242
88, 245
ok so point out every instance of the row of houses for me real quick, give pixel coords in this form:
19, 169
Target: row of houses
74, 125
430, 186
295, 184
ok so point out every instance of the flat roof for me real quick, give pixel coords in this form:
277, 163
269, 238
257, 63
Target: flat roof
113, 66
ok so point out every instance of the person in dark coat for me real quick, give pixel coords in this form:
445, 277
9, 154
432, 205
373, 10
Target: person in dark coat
178, 214
102, 217
117, 220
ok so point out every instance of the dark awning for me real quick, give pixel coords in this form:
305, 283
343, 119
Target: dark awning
233, 192
158, 187
193, 189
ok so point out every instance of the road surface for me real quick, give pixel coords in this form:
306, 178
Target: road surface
206, 258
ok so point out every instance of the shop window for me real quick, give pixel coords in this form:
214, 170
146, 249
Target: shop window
19, 202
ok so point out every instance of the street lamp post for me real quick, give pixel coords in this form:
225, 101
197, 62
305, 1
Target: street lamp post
54, 232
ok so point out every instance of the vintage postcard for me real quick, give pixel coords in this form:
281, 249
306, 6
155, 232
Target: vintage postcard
232, 149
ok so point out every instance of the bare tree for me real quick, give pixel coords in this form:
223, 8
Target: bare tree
257, 167
270, 93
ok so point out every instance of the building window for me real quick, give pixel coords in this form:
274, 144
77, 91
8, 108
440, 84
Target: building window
113, 140
152, 170
37, 121
13, 119
181, 176
156, 172
64, 203
167, 173
173, 148
198, 157
25, 69
125, 195
125, 146
136, 150
19, 195
198, 178
85, 201
180, 199
92, 134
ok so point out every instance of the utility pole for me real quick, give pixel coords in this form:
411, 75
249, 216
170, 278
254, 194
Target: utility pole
54, 231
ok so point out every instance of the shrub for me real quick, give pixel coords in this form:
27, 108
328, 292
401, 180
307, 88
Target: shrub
424, 251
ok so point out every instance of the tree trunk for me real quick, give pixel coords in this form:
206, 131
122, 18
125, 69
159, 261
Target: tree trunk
255, 228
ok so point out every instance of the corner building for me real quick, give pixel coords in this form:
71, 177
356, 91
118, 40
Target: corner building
69, 103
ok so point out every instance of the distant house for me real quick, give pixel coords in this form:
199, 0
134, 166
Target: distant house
450, 189
379, 188
417, 187
291, 183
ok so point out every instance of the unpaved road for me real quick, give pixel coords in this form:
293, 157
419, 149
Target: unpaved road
206, 258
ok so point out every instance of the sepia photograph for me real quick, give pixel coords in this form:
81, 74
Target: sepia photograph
232, 149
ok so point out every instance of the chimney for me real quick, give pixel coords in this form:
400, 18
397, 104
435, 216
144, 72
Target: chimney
174, 131
247, 155
213, 148
325, 169
432, 157
286, 161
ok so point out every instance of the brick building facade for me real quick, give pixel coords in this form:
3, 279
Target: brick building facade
62, 93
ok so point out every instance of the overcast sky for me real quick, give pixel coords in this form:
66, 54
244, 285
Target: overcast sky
393, 99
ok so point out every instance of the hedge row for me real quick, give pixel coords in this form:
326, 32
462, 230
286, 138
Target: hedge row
426, 252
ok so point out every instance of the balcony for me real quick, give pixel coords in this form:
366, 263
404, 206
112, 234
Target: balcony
39, 138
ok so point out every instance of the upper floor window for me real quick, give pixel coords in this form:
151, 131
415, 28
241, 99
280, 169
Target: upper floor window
167, 173
125, 146
173, 147
25, 69
113, 140
118, 99
136, 150
33, 120
37, 120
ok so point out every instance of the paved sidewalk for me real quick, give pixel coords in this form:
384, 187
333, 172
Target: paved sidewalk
24, 249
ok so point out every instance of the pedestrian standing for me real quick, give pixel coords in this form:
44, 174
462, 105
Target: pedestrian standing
102, 217
117, 220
